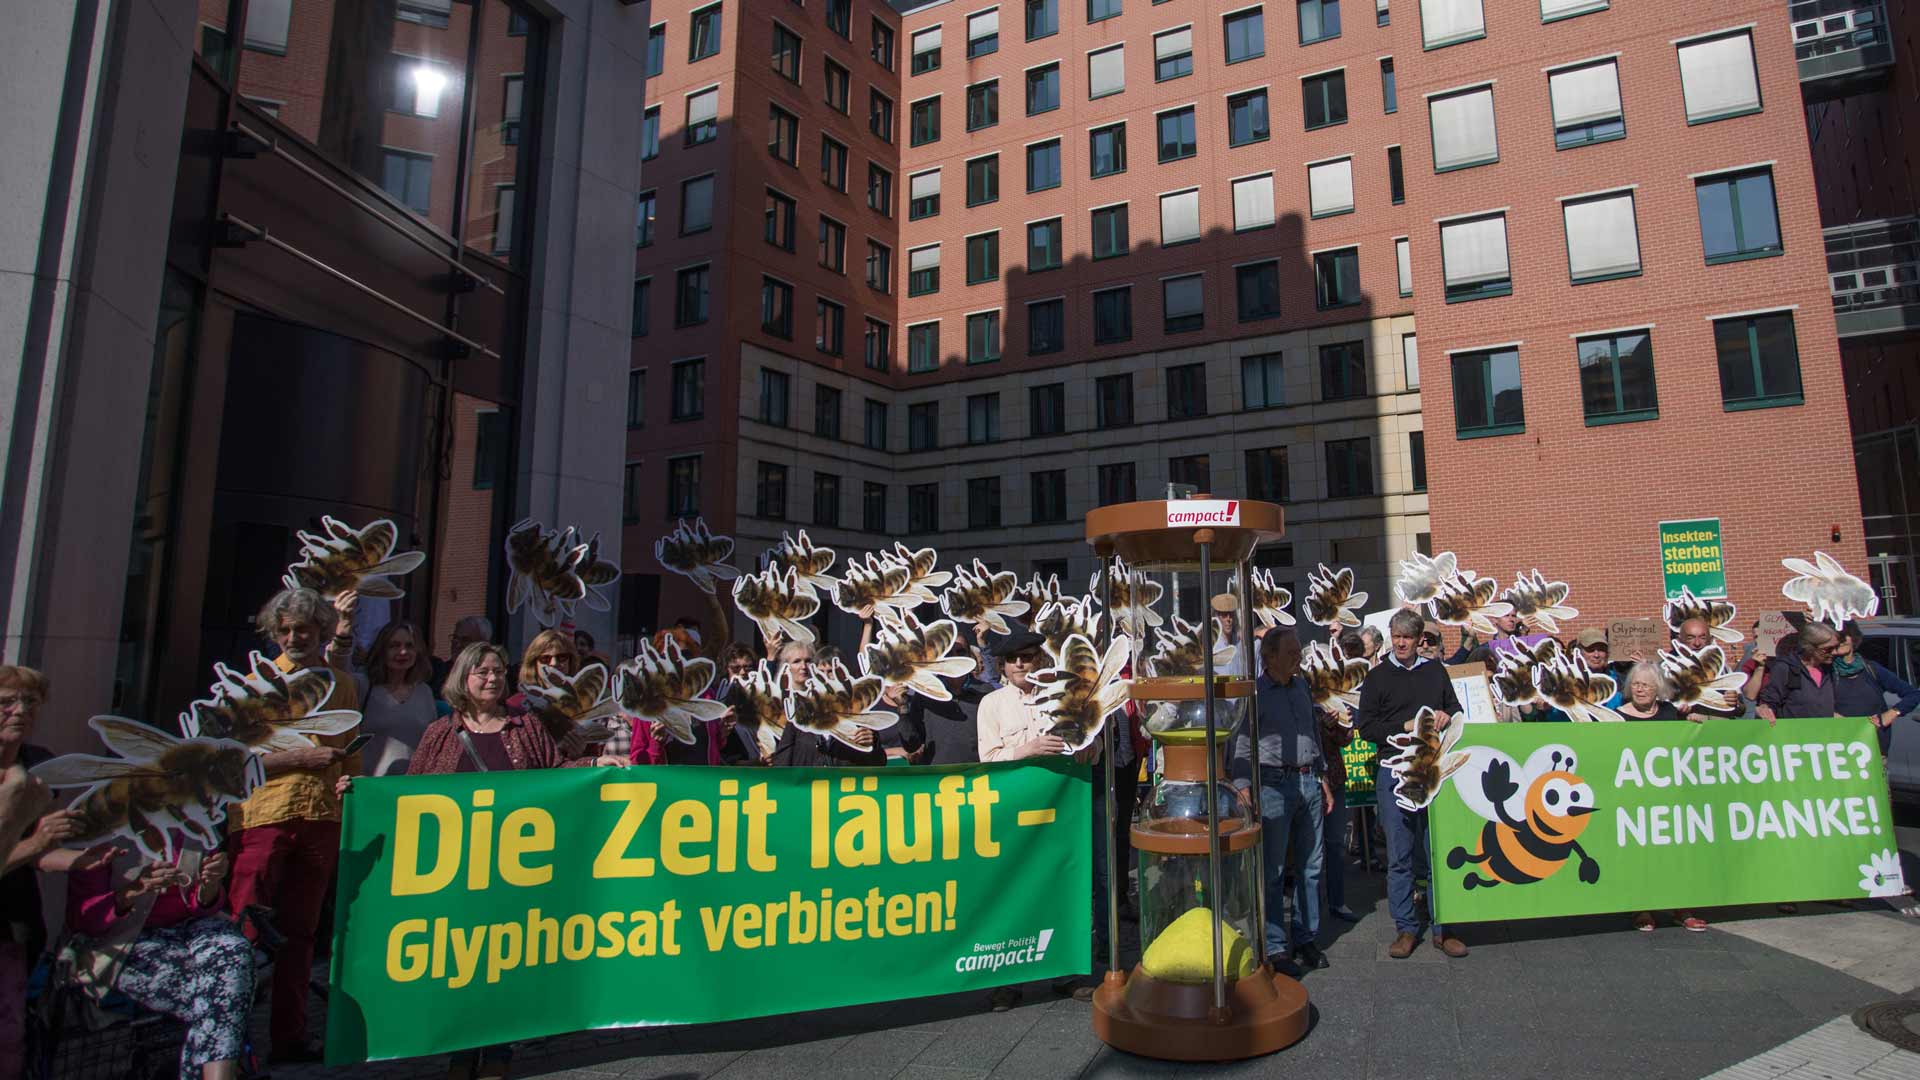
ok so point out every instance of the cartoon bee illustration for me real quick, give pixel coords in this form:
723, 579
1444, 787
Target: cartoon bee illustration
1831, 594
663, 687
759, 704
1133, 599
1421, 576
833, 702
877, 583
1176, 652
1037, 593
1331, 600
980, 595
1534, 817
807, 560
157, 784
1718, 614
1566, 682
1539, 603
1269, 601
694, 552
1423, 759
1333, 679
908, 653
577, 710
546, 571
266, 709
1700, 677
922, 577
1513, 680
778, 602
347, 558
1062, 619
1082, 689
1468, 601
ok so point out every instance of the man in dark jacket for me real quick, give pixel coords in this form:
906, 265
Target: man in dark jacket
1800, 681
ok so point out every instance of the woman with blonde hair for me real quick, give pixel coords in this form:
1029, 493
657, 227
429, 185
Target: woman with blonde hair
549, 648
397, 702
1644, 697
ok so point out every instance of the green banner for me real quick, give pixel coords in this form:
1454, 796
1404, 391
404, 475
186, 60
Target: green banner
483, 908
1690, 558
1578, 819
1358, 756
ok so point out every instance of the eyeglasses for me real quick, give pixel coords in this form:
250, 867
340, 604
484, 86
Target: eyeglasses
553, 659
487, 674
1022, 658
19, 701
1430, 639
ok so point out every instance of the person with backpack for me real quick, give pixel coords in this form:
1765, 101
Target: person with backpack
1861, 686
1800, 680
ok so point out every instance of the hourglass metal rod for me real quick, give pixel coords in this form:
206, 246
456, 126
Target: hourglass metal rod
1205, 538
1114, 869
1244, 611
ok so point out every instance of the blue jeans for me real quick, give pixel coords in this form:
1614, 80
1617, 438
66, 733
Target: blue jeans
1293, 819
1406, 855
1334, 844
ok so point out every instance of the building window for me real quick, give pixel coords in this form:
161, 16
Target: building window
1417, 459
1183, 304
1717, 77
1262, 381
1759, 361
1186, 391
513, 99
1179, 217
1246, 35
1403, 262
839, 89
879, 189
1330, 187
983, 418
1319, 20
879, 345
1616, 378
1110, 232
1551, 10
1586, 105
1336, 278
1486, 393
923, 195
1115, 482
1178, 135
1043, 89
875, 431
703, 38
923, 508
1267, 474
923, 121
683, 487
1463, 131
1349, 468
642, 306
1107, 150
1113, 401
770, 492
830, 327
786, 52
489, 448
1343, 371
1326, 99
826, 412
923, 425
983, 105
504, 196
879, 267
1113, 315
690, 296
983, 180
1102, 9
645, 210
783, 135
1473, 258
779, 221
983, 258
826, 499
983, 502
703, 117
689, 390
1257, 290
1049, 496
840, 17
1603, 237
1047, 327
882, 51
923, 348
1173, 54
1410, 359
776, 390
1738, 218
408, 178
650, 133
630, 493
268, 22
696, 205
880, 115
1189, 471
1047, 409
833, 163
1247, 118
926, 50
1043, 245
1106, 72
1389, 87
1043, 19
1396, 177
1043, 165
776, 307
983, 337
873, 507
923, 270
1449, 22
833, 245
983, 33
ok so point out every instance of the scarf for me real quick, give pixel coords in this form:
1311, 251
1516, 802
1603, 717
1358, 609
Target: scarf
1849, 667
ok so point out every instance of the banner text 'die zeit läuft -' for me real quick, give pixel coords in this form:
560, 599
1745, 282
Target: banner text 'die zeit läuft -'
477, 909
1577, 819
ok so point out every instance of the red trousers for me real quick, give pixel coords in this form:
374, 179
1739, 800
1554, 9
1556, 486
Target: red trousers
288, 867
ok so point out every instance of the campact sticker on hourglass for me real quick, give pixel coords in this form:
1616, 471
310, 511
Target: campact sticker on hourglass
1201, 512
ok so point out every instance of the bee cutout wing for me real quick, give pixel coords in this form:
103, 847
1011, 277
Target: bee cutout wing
1421, 576
1831, 595
1083, 689
1333, 679
778, 602
1423, 760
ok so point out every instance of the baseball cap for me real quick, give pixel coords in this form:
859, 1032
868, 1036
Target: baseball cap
1592, 635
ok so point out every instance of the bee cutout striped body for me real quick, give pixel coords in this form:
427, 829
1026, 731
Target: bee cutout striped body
1513, 683
980, 595
1176, 652
1699, 677
909, 653
695, 553
879, 582
577, 710
663, 687
342, 558
779, 602
759, 706
158, 784
1421, 576
1717, 614
1132, 601
266, 709
1469, 601
1331, 601
1081, 690
811, 563
1534, 818
1539, 603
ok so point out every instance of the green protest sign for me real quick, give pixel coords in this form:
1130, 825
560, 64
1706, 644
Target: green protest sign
1559, 819
566, 899
1690, 558
1358, 756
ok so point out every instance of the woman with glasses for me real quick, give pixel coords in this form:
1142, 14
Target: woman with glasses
1800, 680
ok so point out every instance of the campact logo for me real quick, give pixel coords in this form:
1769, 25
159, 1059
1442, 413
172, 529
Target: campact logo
1203, 512
994, 955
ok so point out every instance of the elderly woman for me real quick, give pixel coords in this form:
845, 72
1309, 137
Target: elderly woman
804, 748
397, 704
1799, 681
28, 842
1645, 695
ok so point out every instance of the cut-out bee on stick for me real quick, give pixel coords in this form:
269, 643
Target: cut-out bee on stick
155, 785
879, 583
1062, 619
1082, 689
1539, 603
1421, 576
1466, 600
1534, 817
1423, 759
1331, 601
1038, 593
663, 687
1268, 600
1570, 686
1133, 600
1176, 652
1832, 595
1512, 680
759, 704
834, 703
916, 655
778, 602
1718, 615
343, 558
1700, 677
810, 562
552, 571
1333, 679
267, 710
981, 596
577, 710
694, 552
923, 573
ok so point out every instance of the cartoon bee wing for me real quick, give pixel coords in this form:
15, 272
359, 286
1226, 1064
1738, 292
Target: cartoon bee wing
295, 734
1492, 784
131, 739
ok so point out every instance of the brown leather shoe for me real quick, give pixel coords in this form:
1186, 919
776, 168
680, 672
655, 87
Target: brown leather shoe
1450, 945
1402, 946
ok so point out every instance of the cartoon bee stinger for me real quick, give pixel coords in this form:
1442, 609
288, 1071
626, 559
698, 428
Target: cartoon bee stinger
1534, 817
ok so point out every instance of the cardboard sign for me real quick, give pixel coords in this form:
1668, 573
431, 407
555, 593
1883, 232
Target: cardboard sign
1690, 557
1773, 626
1471, 686
1202, 512
1628, 636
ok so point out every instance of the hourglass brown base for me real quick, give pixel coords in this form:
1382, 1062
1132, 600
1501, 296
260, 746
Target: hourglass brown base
1175, 1022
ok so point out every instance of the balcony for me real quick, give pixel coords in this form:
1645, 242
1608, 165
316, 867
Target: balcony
1874, 271
1844, 47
